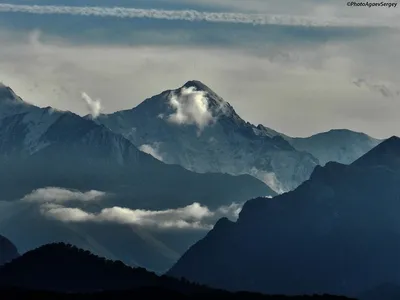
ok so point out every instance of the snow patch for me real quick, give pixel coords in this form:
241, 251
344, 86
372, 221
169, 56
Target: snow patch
152, 150
268, 178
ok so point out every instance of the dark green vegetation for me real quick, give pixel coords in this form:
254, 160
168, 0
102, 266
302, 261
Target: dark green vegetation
61, 271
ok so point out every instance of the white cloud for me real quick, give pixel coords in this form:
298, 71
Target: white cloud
194, 216
54, 203
152, 150
60, 195
94, 106
191, 108
196, 16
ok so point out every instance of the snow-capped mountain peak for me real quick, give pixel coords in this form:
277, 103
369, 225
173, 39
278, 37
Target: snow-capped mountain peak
10, 103
7, 94
194, 127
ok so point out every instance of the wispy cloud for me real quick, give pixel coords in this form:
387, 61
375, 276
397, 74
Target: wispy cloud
94, 106
61, 195
384, 89
195, 16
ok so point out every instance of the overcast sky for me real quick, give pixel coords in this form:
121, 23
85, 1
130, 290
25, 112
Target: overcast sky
299, 67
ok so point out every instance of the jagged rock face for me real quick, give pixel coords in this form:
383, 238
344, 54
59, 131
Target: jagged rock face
193, 127
8, 251
338, 233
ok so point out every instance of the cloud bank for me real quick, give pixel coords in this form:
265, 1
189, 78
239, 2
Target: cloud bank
196, 16
53, 203
94, 106
194, 216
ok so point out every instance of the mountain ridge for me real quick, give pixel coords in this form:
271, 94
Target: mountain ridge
8, 251
43, 147
63, 268
326, 235
192, 126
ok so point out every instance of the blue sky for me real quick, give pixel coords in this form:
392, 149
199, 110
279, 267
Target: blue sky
309, 67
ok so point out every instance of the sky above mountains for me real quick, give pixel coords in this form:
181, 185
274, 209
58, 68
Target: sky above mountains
299, 67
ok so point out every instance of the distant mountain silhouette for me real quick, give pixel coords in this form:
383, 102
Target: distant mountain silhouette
338, 145
339, 232
65, 268
8, 251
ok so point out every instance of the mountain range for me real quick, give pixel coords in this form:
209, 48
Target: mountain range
194, 127
338, 233
205, 154
41, 147
44, 147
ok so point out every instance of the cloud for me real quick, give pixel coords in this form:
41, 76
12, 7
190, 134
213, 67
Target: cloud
55, 203
94, 106
195, 16
194, 216
60, 195
191, 108
277, 79
152, 150
380, 88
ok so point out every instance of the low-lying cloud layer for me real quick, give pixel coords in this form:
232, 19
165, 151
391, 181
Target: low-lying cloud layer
52, 203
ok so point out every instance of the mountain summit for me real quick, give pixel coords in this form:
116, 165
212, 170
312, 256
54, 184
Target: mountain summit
10, 103
6, 93
194, 127
386, 154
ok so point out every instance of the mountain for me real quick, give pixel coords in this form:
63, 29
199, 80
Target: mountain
193, 127
65, 268
338, 232
339, 145
44, 147
8, 251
